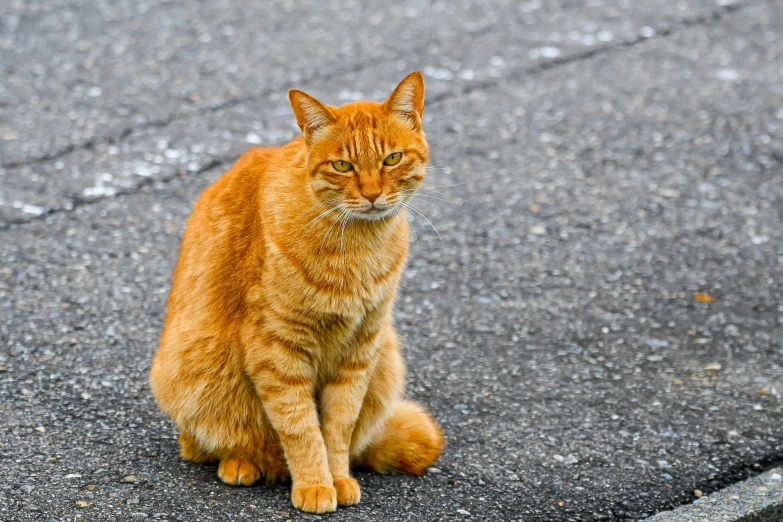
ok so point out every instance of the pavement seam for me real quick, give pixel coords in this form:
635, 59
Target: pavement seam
715, 16
165, 122
78, 201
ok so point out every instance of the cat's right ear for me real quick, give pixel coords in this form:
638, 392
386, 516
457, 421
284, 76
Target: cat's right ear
311, 115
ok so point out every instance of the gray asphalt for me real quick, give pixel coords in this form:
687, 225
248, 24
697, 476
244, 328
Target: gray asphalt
758, 499
597, 164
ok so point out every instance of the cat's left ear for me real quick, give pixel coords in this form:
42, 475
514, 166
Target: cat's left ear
312, 116
407, 100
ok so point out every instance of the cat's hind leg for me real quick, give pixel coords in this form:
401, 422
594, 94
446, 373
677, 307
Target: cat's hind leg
238, 472
393, 434
232, 471
189, 449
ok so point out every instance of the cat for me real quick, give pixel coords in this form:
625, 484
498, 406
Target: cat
278, 357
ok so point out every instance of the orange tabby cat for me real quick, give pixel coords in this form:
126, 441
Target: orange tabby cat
278, 356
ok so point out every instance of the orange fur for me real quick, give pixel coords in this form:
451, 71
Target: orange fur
278, 356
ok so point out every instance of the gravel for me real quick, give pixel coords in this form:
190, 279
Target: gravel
607, 289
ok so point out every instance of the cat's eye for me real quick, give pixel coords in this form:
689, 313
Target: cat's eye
393, 159
342, 166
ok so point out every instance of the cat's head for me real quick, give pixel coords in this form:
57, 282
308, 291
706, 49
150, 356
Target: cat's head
365, 157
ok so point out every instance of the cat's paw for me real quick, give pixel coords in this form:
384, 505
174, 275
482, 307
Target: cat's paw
319, 498
348, 492
238, 472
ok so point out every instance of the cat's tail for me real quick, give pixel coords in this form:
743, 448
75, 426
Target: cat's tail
409, 441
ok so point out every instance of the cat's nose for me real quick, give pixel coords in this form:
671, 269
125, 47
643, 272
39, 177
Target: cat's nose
371, 194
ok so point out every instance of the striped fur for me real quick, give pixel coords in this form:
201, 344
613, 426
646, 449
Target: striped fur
278, 357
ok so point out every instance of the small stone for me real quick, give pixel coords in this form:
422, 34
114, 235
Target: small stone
697, 493
132, 500
130, 479
82, 503
727, 75
775, 476
73, 475
666, 476
559, 458
713, 367
463, 512
40, 429
435, 470
662, 464
28, 488
538, 230
253, 138
758, 407
571, 459
91, 487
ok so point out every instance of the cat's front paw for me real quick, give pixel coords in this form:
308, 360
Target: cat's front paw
348, 492
318, 498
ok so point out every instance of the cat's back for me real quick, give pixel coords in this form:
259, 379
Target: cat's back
221, 232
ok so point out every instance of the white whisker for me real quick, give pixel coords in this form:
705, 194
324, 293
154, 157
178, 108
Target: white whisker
447, 186
418, 211
329, 231
346, 219
315, 221
418, 194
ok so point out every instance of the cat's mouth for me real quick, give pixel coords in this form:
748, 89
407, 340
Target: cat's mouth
373, 213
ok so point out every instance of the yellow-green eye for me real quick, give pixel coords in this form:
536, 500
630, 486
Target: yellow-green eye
393, 159
342, 166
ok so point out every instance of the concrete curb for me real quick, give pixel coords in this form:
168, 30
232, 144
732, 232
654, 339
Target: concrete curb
759, 499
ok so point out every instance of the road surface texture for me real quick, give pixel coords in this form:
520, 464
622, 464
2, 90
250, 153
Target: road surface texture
598, 328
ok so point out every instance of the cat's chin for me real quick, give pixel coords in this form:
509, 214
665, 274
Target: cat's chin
374, 214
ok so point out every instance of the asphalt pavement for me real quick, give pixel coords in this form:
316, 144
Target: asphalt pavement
597, 323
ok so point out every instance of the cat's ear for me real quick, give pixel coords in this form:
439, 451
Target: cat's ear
312, 116
407, 100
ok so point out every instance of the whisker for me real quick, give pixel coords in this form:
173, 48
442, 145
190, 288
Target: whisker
417, 210
418, 194
431, 190
346, 220
328, 232
413, 230
417, 218
449, 186
314, 222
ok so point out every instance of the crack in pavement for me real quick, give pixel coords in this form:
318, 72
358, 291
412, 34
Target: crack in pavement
78, 201
697, 20
164, 122
715, 16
